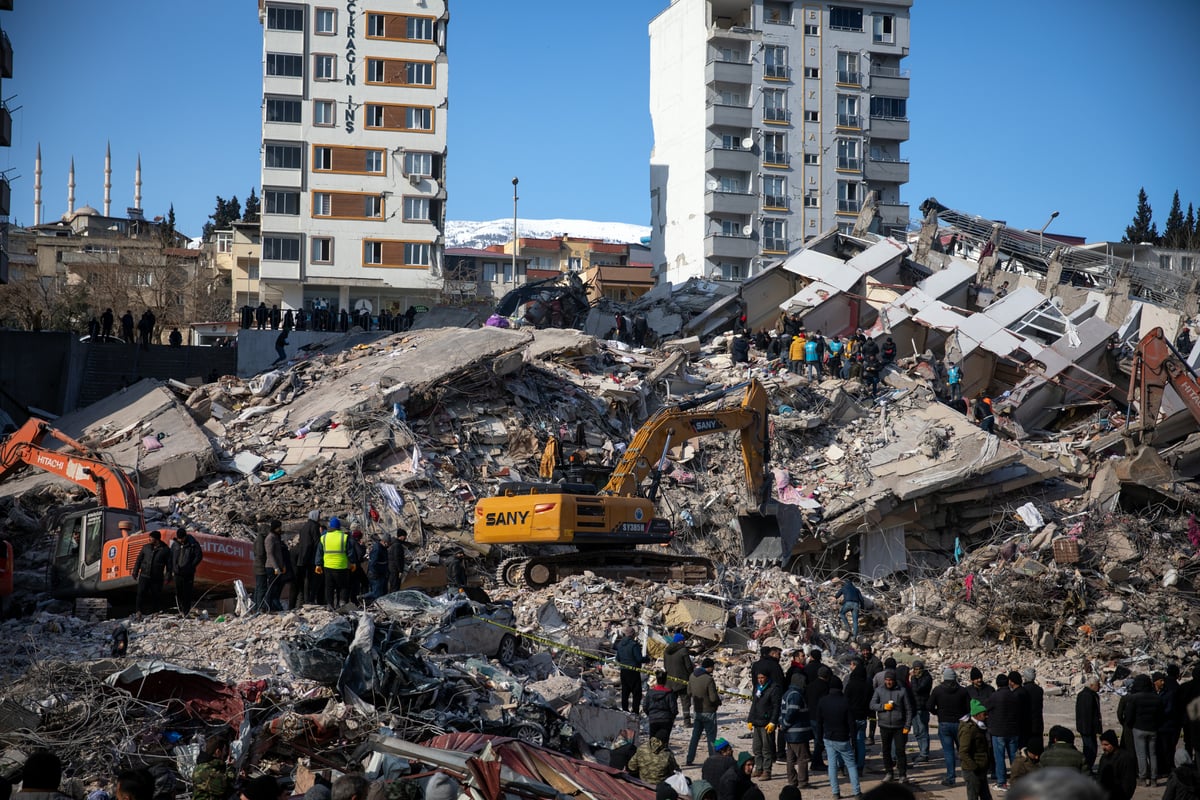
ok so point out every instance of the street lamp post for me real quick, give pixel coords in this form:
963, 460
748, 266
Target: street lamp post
516, 242
1041, 233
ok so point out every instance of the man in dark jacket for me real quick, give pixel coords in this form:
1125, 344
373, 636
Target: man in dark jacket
304, 556
834, 717
891, 704
852, 603
1004, 724
377, 566
1184, 783
949, 702
973, 751
677, 661
1088, 720
660, 708
797, 731
262, 578
921, 684
816, 688
1118, 771
702, 691
630, 659
762, 721
1184, 695
874, 666
858, 695
1037, 703
769, 664
1062, 752
152, 566
1143, 714
397, 565
736, 783
276, 564
186, 555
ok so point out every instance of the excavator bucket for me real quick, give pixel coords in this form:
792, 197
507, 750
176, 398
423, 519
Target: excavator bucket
1146, 467
761, 540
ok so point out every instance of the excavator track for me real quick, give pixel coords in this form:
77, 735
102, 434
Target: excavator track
535, 572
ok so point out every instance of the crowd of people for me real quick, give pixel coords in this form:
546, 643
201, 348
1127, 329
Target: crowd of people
273, 318
820, 719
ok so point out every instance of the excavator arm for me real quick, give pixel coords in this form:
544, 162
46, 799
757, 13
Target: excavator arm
673, 425
78, 464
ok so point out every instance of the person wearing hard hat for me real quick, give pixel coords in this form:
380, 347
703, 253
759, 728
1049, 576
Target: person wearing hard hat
335, 562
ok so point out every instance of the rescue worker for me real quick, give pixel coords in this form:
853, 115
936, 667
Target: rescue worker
152, 566
213, 777
396, 560
630, 659
333, 559
304, 585
954, 381
276, 561
377, 566
186, 556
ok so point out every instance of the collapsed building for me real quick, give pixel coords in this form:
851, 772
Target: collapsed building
1045, 538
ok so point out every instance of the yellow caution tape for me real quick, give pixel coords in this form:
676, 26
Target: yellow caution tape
593, 656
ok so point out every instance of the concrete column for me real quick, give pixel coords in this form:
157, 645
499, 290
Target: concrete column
1054, 270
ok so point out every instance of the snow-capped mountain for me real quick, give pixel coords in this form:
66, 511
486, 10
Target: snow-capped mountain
465, 233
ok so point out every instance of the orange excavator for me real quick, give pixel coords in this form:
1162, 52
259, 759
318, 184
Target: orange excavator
95, 548
604, 526
1156, 365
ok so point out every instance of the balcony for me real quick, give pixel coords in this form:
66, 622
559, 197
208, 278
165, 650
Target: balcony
893, 215
851, 121
727, 204
848, 77
737, 33
885, 170
6, 5
284, 178
849, 164
718, 246
775, 202
5, 126
728, 72
6, 56
890, 81
774, 245
732, 160
5, 196
848, 206
777, 72
773, 158
777, 116
719, 116
889, 128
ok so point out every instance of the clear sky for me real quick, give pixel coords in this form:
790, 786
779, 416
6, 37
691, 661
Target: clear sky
1018, 107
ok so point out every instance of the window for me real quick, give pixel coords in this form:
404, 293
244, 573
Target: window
777, 13
774, 232
374, 116
812, 30
418, 73
812, 159
889, 107
282, 156
847, 67
731, 141
416, 209
225, 242
420, 29
418, 163
416, 254
731, 272
252, 271
730, 97
848, 154
375, 72
884, 29
731, 227
1185, 263
322, 204
775, 61
575, 264
372, 252
326, 21
775, 191
322, 158
285, 19
489, 271
322, 250
278, 201
280, 248
733, 184
812, 72
812, 201
731, 55
775, 148
845, 19
848, 197
285, 65
775, 105
373, 206
324, 67
1164, 262
373, 161
848, 116
507, 272
323, 113
812, 116
418, 119
282, 109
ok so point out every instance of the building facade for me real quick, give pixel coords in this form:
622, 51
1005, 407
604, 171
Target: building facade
772, 122
6, 67
354, 153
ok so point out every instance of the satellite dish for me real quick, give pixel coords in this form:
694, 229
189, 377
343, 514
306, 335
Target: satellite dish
748, 142
713, 184
363, 306
747, 229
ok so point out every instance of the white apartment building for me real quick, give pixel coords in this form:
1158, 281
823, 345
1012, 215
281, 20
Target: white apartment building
772, 120
353, 152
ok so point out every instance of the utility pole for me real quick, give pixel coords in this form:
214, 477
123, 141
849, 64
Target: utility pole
516, 242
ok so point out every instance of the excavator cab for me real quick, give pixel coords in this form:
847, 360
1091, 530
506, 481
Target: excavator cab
88, 544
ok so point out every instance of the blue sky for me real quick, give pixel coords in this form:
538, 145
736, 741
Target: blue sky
1018, 108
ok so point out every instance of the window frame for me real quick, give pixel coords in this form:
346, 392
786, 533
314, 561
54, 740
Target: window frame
317, 12
271, 200
777, 199
293, 61
322, 205
410, 154
775, 106
286, 147
428, 253
848, 23
773, 68
417, 199
883, 28
290, 102
774, 235
271, 240
293, 13
322, 103
321, 61
374, 206
327, 242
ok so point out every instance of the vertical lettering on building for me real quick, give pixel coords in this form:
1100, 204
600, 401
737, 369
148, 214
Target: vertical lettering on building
351, 60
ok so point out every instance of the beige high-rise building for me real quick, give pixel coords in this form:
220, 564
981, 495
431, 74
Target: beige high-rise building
772, 121
353, 153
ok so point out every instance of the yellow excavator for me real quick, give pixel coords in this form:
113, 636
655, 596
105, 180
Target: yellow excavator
606, 525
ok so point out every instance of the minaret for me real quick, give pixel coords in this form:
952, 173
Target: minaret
71, 188
137, 183
37, 187
108, 179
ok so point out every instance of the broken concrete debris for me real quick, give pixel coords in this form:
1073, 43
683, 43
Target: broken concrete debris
970, 545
